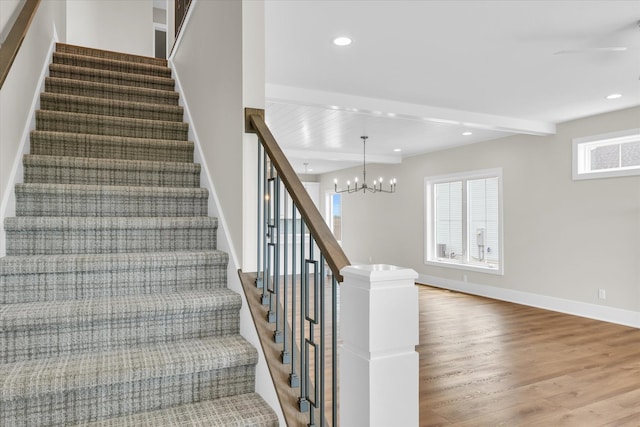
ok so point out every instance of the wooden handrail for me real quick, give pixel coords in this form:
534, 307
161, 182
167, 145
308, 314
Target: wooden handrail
324, 238
11, 45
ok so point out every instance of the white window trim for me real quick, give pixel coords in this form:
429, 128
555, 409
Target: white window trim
579, 158
429, 246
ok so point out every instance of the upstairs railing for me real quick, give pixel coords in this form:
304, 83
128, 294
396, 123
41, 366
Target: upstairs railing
18, 32
299, 263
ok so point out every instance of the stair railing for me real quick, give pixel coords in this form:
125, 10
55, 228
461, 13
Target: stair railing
299, 262
18, 32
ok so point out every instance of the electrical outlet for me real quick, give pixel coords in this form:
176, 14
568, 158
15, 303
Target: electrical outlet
602, 294
464, 277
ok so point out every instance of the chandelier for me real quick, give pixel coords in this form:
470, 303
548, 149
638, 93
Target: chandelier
364, 187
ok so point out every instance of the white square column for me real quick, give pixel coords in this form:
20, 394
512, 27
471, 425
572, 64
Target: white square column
379, 368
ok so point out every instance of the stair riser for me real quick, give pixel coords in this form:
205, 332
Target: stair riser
114, 126
118, 56
91, 335
103, 91
39, 204
99, 76
91, 241
109, 147
66, 175
102, 107
111, 65
69, 407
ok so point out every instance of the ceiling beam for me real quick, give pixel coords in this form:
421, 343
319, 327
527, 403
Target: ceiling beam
387, 108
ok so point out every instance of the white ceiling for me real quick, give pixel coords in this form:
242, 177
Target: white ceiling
420, 73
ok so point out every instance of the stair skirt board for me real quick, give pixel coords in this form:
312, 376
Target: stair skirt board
114, 306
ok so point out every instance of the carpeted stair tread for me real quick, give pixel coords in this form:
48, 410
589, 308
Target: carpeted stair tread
111, 77
114, 306
69, 277
111, 65
242, 410
52, 328
36, 199
109, 147
109, 91
59, 121
99, 53
110, 107
80, 235
80, 170
74, 389
123, 365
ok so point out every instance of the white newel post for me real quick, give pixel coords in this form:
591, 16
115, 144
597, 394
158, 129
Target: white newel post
379, 369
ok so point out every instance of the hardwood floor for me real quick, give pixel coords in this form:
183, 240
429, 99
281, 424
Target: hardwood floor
488, 363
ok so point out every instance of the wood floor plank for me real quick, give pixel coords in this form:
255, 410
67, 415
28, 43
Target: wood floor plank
485, 362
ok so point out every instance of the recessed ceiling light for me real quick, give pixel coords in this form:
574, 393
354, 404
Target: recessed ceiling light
397, 150
342, 41
467, 133
614, 96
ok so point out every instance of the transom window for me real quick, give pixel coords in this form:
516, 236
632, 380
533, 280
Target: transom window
464, 221
608, 155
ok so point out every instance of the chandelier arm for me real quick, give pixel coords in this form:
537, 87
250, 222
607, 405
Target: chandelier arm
364, 187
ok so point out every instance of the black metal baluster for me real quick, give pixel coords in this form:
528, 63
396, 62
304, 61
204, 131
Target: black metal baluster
312, 318
294, 379
285, 355
271, 246
275, 295
321, 320
265, 228
259, 273
334, 350
303, 403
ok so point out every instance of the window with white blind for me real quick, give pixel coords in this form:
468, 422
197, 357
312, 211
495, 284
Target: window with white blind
609, 155
464, 221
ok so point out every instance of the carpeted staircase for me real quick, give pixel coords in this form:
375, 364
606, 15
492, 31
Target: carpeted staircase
114, 309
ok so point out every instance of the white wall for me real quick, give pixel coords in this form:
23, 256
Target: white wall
219, 65
19, 95
208, 61
9, 11
117, 25
563, 239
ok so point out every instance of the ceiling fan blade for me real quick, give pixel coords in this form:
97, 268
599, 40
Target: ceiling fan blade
592, 49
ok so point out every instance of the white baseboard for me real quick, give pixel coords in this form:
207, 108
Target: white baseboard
576, 308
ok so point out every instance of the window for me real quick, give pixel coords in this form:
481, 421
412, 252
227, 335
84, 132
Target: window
605, 156
334, 214
464, 221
